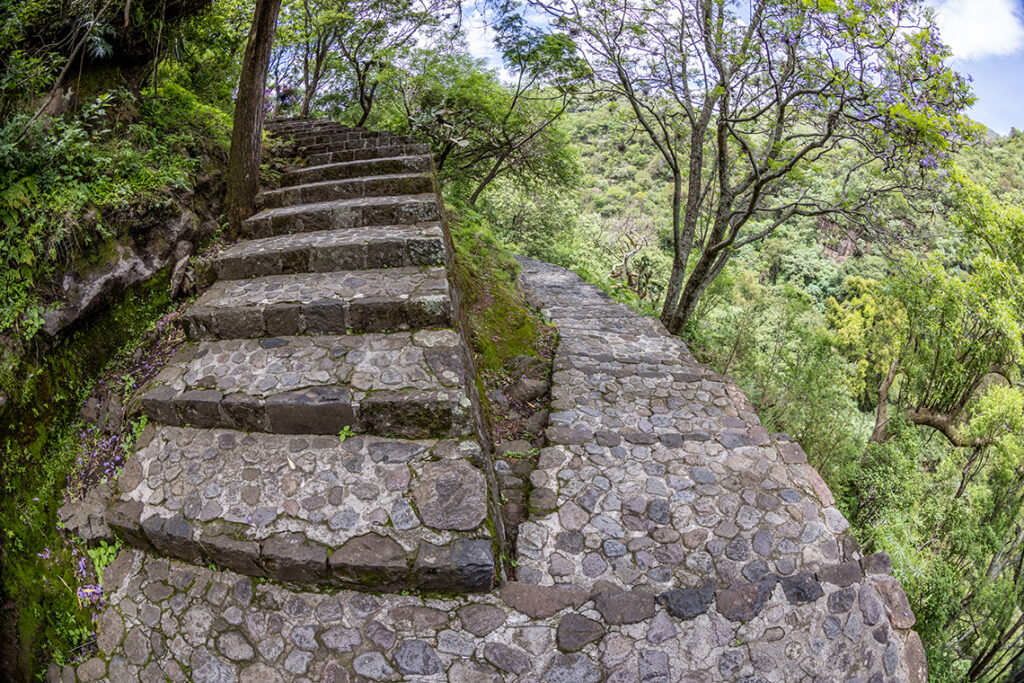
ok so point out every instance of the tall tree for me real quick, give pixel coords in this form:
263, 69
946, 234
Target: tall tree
741, 100
246, 135
481, 129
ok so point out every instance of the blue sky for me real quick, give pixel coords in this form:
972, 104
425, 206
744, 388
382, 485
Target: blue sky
987, 39
986, 36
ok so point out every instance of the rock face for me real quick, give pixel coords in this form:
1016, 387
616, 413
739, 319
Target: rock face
670, 537
127, 262
86, 518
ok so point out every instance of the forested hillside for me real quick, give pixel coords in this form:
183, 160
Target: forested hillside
857, 268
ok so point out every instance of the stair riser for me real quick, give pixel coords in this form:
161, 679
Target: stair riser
349, 145
381, 253
323, 317
420, 164
308, 126
466, 566
337, 157
318, 410
292, 133
352, 188
333, 137
407, 212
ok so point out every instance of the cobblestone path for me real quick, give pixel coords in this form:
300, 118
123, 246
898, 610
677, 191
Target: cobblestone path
670, 537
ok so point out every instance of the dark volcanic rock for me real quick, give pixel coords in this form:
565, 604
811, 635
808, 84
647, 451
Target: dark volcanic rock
801, 588
539, 602
575, 631
451, 494
624, 607
481, 619
369, 558
743, 603
688, 603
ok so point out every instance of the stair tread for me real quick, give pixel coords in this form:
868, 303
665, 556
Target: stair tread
239, 491
330, 238
352, 377
353, 143
341, 203
385, 283
370, 247
381, 185
338, 302
420, 163
342, 164
365, 153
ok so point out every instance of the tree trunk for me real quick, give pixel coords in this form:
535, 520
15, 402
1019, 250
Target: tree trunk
678, 276
307, 97
702, 275
246, 135
491, 175
881, 431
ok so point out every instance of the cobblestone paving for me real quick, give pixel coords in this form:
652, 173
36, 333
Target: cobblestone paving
171, 620
670, 538
398, 283
403, 164
238, 498
323, 303
380, 380
294, 441
347, 188
381, 152
333, 250
348, 213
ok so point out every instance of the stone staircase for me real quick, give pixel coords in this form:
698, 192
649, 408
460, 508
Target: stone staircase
322, 425
323, 430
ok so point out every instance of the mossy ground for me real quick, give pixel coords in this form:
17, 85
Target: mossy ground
503, 324
50, 455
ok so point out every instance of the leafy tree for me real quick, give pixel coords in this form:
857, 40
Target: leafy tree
963, 322
742, 108
350, 48
480, 129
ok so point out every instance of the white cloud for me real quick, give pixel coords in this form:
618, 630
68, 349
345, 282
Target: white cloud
480, 42
975, 29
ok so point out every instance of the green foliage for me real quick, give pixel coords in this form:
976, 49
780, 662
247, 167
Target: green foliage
67, 178
103, 556
501, 324
41, 448
481, 129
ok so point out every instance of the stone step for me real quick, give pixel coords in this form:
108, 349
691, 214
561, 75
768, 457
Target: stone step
365, 512
390, 150
329, 136
289, 134
356, 143
359, 168
307, 127
407, 384
292, 124
340, 302
348, 213
347, 188
377, 246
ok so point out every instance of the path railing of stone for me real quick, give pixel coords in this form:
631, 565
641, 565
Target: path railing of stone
312, 500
